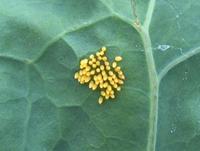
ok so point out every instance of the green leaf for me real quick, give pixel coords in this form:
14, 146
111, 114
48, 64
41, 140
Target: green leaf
42, 108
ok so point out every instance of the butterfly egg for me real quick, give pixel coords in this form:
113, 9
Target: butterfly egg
98, 70
104, 58
97, 54
105, 85
101, 81
94, 60
105, 77
103, 73
101, 53
99, 77
82, 66
81, 72
117, 69
90, 62
84, 72
94, 87
92, 72
88, 74
76, 75
115, 86
91, 56
87, 79
88, 68
114, 64
101, 85
99, 57
107, 97
91, 84
108, 68
84, 61
122, 77
103, 93
112, 82
100, 101
118, 58
120, 72
79, 78
104, 48
81, 82
98, 63
110, 73
110, 78
106, 63
116, 80
114, 76
118, 88
121, 82
83, 78
97, 82
94, 65
112, 96
112, 92
102, 67
107, 92
109, 88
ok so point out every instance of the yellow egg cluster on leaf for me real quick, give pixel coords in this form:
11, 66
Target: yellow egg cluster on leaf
99, 73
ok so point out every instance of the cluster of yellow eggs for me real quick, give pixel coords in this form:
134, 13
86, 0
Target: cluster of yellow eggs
100, 74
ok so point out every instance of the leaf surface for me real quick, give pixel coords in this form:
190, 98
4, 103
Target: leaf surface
43, 108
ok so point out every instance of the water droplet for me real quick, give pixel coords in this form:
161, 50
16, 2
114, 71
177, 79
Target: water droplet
185, 76
173, 129
163, 47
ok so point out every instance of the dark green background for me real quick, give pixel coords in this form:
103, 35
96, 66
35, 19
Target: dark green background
42, 108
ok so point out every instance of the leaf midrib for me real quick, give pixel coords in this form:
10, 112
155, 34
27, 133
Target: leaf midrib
154, 77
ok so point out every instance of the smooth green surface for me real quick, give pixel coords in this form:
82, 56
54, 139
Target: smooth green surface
42, 108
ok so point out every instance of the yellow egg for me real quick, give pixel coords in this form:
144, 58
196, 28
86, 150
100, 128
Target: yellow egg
100, 101
76, 75
119, 89
108, 68
91, 56
103, 93
88, 68
113, 96
103, 48
102, 67
90, 63
110, 73
92, 72
98, 63
97, 72
94, 65
94, 87
118, 58
107, 97
117, 69
114, 64
104, 58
